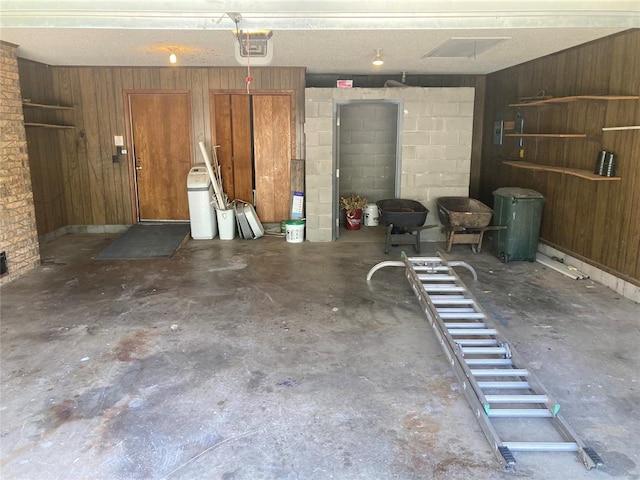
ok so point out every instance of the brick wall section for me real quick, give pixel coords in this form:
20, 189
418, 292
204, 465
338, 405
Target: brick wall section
436, 133
18, 234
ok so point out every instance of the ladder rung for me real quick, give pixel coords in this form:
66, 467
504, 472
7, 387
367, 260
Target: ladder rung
505, 385
473, 331
476, 342
443, 288
428, 268
417, 261
516, 398
542, 446
499, 372
456, 310
431, 277
462, 316
464, 325
451, 300
519, 413
475, 362
484, 350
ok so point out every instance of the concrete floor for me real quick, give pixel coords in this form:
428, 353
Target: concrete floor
263, 359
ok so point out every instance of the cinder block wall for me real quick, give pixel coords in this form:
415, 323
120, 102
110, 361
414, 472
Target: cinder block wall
18, 234
436, 148
368, 150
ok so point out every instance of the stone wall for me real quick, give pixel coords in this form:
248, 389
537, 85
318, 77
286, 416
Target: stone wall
18, 234
435, 136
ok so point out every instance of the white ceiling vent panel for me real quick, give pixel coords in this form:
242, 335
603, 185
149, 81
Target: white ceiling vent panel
464, 47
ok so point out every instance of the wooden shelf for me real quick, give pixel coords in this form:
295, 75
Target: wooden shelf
568, 171
48, 107
574, 98
618, 129
547, 135
46, 125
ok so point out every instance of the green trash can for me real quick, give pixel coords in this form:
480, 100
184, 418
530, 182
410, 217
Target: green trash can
520, 210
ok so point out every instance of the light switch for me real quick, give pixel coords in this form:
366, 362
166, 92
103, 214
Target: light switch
118, 140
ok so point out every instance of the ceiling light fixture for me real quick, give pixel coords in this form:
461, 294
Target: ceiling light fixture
377, 60
172, 58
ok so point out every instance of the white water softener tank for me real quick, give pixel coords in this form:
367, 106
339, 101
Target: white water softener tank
201, 212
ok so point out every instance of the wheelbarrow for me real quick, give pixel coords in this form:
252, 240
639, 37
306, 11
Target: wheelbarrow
465, 221
404, 220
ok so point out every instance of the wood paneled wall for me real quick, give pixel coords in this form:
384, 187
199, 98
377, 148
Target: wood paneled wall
76, 181
598, 222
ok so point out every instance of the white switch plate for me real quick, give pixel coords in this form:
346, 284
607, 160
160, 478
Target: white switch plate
118, 140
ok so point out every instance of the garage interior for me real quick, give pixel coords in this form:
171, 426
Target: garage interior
267, 359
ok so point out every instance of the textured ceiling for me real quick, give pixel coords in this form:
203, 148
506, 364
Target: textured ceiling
323, 36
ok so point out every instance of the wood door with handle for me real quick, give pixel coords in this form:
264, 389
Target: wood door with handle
162, 152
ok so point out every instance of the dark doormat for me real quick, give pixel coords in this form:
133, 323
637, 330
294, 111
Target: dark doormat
147, 240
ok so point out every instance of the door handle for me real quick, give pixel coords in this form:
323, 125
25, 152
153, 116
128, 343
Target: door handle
138, 167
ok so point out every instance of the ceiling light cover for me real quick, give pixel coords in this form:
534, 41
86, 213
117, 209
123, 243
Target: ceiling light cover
377, 60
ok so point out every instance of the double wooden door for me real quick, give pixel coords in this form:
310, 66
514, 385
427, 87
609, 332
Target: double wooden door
254, 134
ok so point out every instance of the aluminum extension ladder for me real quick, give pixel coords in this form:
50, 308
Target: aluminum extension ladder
504, 395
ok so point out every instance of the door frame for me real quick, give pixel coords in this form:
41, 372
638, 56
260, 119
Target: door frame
128, 134
337, 106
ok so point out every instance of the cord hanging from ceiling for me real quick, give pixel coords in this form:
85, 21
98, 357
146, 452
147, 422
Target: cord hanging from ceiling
248, 78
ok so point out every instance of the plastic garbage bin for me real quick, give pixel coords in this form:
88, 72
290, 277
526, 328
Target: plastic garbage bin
520, 210
201, 212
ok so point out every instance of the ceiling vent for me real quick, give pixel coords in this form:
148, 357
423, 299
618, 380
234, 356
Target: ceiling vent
464, 47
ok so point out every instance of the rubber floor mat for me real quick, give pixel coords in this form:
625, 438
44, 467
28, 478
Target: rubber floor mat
147, 241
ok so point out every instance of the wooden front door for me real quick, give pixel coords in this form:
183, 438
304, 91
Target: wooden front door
162, 152
256, 148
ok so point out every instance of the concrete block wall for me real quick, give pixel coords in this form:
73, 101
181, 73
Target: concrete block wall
18, 233
368, 134
435, 137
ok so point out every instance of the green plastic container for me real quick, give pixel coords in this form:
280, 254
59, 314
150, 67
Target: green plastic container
520, 209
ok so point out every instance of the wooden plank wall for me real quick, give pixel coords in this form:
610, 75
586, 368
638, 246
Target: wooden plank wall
48, 178
75, 179
598, 222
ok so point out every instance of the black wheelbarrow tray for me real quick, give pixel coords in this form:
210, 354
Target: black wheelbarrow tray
402, 217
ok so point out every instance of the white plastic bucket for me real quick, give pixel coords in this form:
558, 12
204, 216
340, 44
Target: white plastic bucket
371, 215
226, 224
294, 230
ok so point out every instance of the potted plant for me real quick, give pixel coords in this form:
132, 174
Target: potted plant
353, 206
